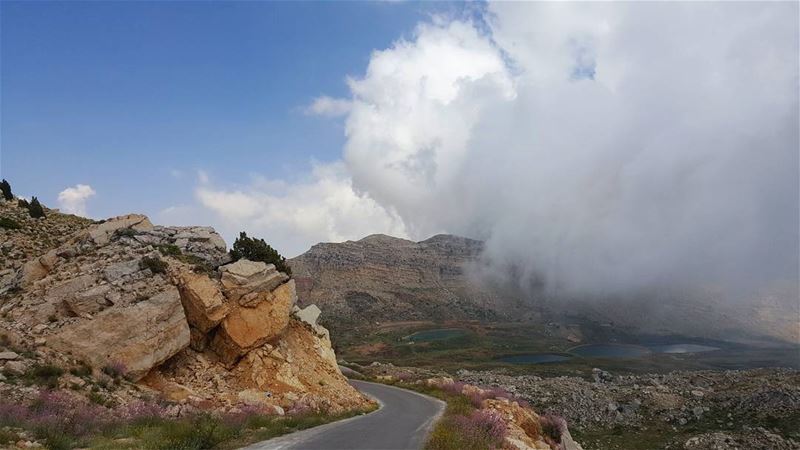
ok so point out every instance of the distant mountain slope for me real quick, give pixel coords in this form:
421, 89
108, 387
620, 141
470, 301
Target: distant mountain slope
383, 278
386, 279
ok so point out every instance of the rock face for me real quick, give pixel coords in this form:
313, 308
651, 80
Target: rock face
382, 278
385, 279
140, 336
246, 328
204, 304
161, 305
101, 234
244, 277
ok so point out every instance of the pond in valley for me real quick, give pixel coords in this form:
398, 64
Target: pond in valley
610, 351
682, 348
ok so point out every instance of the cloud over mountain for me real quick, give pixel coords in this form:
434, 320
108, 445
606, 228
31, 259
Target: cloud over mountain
598, 147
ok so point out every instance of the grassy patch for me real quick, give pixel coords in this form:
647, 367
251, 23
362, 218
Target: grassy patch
156, 265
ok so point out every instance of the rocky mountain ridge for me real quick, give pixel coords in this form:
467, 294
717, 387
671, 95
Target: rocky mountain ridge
383, 278
386, 279
163, 307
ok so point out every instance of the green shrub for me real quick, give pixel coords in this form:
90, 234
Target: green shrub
156, 265
35, 208
115, 370
257, 250
125, 232
169, 250
44, 375
22, 203
5, 188
9, 224
82, 369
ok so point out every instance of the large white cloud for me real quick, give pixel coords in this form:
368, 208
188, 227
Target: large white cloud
599, 147
73, 199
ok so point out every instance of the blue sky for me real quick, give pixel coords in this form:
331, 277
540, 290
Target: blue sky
607, 145
133, 98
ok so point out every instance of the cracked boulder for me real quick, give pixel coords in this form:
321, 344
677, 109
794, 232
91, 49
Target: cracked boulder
140, 336
246, 328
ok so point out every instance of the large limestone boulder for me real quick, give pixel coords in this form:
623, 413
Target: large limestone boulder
245, 328
309, 315
203, 302
88, 302
101, 234
36, 269
140, 336
244, 277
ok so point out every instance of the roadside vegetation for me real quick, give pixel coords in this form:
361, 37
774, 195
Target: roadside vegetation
60, 420
463, 426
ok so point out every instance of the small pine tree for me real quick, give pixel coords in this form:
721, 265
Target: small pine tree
257, 250
22, 203
35, 208
5, 187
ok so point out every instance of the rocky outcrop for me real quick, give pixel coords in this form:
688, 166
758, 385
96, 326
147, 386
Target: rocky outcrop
139, 337
102, 233
165, 306
202, 300
247, 277
248, 327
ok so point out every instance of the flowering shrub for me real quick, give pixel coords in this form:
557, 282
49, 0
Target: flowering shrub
480, 430
115, 369
454, 388
302, 407
477, 396
141, 412
553, 427
405, 377
482, 425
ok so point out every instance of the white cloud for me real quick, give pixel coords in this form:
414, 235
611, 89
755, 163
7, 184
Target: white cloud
601, 147
328, 107
293, 216
72, 200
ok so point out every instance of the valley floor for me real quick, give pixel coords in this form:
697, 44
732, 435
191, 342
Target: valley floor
743, 396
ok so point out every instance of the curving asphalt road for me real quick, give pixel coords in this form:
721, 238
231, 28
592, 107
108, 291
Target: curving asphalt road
402, 423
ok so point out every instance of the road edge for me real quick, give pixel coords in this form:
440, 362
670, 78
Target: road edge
286, 440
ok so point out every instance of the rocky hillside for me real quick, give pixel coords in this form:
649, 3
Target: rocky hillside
160, 311
382, 278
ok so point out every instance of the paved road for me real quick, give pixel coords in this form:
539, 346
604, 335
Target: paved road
402, 422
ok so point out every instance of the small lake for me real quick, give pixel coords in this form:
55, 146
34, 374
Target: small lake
682, 348
534, 358
436, 335
610, 351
